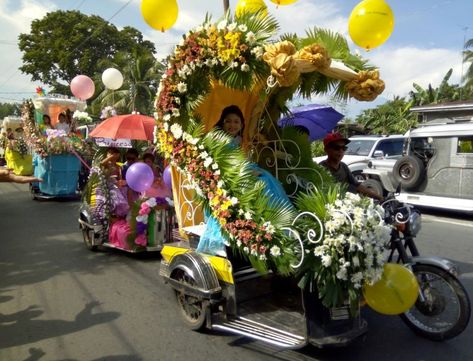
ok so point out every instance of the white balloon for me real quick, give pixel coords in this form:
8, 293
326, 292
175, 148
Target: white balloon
112, 78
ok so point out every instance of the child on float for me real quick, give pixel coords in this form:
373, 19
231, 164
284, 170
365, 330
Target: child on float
232, 122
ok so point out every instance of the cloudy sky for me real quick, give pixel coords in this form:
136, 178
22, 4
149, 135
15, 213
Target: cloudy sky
427, 40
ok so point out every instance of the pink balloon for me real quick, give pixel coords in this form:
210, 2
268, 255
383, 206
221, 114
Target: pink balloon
82, 87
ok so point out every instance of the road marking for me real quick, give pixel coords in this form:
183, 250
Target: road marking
447, 220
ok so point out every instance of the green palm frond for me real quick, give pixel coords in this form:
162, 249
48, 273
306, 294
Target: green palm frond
92, 183
264, 27
316, 201
335, 44
291, 37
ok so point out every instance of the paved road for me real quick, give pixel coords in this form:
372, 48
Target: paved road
59, 301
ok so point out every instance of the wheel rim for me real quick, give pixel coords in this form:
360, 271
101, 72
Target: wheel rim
441, 309
191, 307
406, 171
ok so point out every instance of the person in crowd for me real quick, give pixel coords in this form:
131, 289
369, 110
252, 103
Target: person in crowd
6, 175
47, 122
335, 146
109, 164
132, 156
63, 124
158, 188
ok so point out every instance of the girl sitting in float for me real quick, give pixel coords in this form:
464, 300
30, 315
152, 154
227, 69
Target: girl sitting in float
232, 123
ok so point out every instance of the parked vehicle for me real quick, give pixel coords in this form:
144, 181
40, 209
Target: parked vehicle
436, 169
362, 149
442, 310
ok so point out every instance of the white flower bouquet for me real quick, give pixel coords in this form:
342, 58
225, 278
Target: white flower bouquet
81, 117
345, 248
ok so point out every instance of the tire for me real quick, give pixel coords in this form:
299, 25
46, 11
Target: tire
444, 294
359, 176
193, 310
87, 235
374, 185
409, 171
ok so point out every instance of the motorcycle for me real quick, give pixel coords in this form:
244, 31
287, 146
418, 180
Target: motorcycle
442, 310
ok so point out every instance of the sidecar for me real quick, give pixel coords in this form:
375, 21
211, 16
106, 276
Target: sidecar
253, 286
226, 293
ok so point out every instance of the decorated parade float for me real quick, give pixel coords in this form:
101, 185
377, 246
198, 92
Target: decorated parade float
56, 148
133, 214
288, 268
16, 154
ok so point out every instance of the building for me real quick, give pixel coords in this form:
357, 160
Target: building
456, 111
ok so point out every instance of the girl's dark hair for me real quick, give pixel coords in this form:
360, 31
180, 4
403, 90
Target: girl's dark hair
113, 150
148, 156
45, 116
231, 109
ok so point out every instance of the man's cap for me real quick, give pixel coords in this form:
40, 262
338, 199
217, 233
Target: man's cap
333, 137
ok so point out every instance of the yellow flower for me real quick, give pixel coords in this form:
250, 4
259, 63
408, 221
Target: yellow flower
228, 46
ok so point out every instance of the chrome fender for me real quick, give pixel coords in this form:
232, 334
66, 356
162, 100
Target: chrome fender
439, 262
197, 267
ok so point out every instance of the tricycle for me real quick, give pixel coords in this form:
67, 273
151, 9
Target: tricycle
57, 149
269, 246
129, 213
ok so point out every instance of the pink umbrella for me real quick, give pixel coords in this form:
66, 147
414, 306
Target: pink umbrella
128, 126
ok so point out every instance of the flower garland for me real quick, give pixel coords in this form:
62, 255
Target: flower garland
210, 49
248, 231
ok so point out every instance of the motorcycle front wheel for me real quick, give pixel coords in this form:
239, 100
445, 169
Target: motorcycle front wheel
444, 310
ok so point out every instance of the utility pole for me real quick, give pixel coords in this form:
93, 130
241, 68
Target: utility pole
226, 5
465, 29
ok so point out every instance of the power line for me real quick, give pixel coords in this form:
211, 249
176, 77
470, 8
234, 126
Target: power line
80, 45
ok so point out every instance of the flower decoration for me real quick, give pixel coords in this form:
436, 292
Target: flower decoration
245, 229
236, 53
108, 112
53, 141
81, 117
350, 248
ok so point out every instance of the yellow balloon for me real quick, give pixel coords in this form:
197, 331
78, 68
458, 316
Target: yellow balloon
159, 14
394, 293
283, 2
250, 6
371, 23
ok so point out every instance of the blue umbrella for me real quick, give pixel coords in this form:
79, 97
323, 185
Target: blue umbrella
319, 120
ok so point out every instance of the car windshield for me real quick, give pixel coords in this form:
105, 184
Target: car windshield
360, 146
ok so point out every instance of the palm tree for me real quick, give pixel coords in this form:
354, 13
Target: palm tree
393, 117
468, 58
141, 75
444, 93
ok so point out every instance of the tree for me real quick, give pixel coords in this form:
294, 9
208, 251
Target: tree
468, 58
7, 109
141, 73
392, 117
64, 44
444, 93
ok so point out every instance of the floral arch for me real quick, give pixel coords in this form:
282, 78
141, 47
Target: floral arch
237, 61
